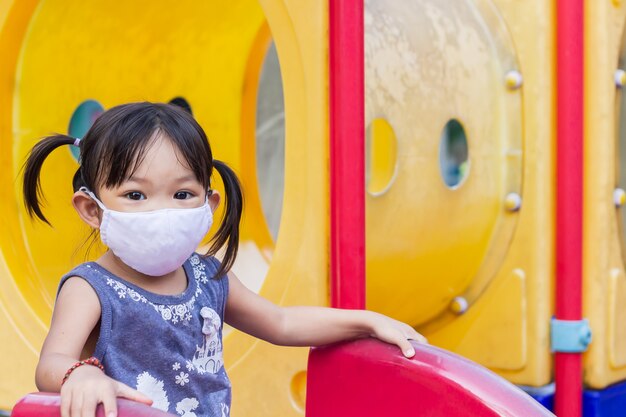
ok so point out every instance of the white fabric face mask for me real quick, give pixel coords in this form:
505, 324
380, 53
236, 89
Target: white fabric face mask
155, 242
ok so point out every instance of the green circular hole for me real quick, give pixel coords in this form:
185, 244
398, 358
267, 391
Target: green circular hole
83, 117
453, 154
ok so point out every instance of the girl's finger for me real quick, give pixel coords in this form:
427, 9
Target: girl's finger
66, 401
109, 402
90, 403
406, 347
125, 391
77, 404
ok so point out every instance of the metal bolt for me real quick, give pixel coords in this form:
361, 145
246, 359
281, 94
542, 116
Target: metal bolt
619, 197
513, 80
620, 78
459, 305
513, 202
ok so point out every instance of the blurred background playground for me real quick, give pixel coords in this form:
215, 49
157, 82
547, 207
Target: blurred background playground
460, 169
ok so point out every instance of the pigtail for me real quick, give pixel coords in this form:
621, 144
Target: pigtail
33, 195
228, 232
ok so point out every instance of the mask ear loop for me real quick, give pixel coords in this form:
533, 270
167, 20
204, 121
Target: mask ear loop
93, 197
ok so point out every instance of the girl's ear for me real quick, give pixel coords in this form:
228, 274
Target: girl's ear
87, 209
214, 200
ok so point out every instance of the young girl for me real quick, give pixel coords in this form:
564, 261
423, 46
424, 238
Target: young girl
148, 314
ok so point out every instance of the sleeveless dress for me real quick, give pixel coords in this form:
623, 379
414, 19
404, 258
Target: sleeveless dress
168, 347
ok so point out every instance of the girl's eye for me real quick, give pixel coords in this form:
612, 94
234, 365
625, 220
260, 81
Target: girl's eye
182, 195
135, 195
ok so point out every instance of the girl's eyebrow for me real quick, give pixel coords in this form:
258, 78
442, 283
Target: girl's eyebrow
138, 179
185, 178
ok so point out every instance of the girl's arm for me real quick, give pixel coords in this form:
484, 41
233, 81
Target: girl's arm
76, 314
310, 326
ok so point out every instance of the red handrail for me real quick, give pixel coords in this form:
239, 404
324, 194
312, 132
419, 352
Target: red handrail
347, 154
569, 201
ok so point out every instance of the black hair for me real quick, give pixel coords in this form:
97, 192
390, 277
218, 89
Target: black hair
182, 103
114, 147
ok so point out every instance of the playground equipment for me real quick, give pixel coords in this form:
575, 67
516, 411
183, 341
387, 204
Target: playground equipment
459, 122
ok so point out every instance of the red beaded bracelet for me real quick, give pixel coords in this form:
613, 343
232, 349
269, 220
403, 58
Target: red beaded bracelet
90, 361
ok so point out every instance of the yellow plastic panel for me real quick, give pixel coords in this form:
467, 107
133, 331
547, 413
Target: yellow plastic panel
505, 331
298, 273
605, 164
429, 62
208, 53
616, 330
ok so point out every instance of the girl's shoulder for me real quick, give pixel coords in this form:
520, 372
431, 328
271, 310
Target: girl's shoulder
84, 271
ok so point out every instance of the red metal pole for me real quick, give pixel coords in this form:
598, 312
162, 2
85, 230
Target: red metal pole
569, 204
347, 165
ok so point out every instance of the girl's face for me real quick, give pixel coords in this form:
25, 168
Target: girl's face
161, 180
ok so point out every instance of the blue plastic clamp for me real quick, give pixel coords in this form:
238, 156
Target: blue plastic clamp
570, 336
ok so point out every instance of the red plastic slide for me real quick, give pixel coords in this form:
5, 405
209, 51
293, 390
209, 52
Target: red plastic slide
44, 404
368, 378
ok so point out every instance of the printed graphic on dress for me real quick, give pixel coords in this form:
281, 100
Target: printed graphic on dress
186, 406
208, 357
153, 389
225, 410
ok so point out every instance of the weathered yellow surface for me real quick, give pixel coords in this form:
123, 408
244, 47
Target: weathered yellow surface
429, 62
604, 291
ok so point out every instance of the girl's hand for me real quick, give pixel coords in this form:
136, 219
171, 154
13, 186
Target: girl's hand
395, 332
87, 387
